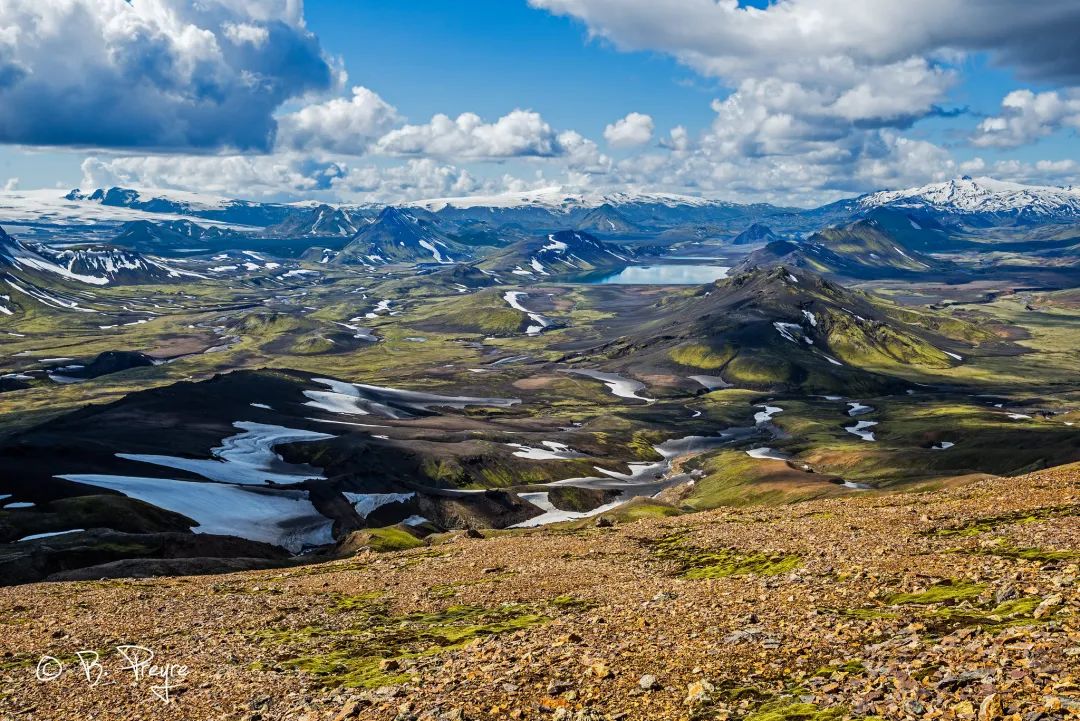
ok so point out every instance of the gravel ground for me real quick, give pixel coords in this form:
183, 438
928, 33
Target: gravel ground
954, 604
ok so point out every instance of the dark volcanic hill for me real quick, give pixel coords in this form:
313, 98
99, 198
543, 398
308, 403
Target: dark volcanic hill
756, 233
232, 446
175, 236
607, 220
867, 248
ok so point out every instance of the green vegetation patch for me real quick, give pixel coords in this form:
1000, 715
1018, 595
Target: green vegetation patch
697, 563
483, 312
1032, 555
391, 538
787, 709
851, 668
372, 647
955, 605
944, 592
783, 711
572, 603
699, 355
867, 614
989, 523
362, 602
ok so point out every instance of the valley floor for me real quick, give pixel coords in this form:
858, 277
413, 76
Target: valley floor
952, 604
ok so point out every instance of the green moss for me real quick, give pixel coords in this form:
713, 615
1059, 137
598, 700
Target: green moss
570, 603
635, 511
944, 592
312, 345
989, 523
483, 312
786, 711
1017, 612
764, 371
1033, 555
370, 650
699, 355
873, 344
699, 563
867, 614
955, 609
642, 444
364, 602
1016, 607
733, 478
850, 668
391, 538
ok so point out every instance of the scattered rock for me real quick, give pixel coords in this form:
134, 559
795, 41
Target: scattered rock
699, 693
348, 711
600, 670
1049, 605
991, 708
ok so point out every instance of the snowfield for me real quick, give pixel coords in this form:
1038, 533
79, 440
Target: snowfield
247, 458
283, 518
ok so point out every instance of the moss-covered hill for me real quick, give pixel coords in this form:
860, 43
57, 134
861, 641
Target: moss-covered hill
791, 329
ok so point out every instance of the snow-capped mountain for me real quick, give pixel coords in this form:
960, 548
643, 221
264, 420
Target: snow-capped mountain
401, 236
323, 220
91, 265
974, 202
568, 252
983, 201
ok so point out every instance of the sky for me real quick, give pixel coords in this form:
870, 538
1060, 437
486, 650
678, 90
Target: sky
796, 102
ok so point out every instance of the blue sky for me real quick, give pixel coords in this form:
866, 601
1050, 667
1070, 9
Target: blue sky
766, 110
491, 56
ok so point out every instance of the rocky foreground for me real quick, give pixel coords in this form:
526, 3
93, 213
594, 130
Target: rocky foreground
953, 604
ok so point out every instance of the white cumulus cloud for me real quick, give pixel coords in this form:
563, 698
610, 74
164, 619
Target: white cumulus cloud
341, 125
155, 74
254, 176
1027, 116
634, 130
521, 133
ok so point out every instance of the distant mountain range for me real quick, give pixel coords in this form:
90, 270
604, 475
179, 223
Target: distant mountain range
454, 229
962, 197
